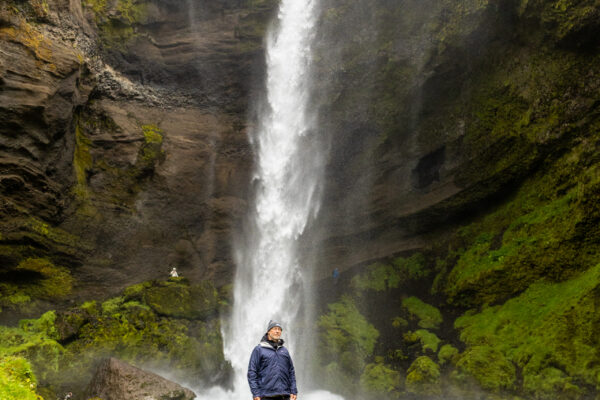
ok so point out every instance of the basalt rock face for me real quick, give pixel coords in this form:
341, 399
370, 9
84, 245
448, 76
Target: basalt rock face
124, 146
450, 108
458, 201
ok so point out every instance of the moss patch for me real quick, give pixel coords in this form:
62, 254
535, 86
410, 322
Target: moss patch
176, 299
17, 380
550, 331
488, 366
428, 340
428, 316
383, 276
346, 343
423, 377
447, 354
379, 379
32, 280
64, 346
117, 20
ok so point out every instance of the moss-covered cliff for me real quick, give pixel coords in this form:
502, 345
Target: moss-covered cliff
162, 325
472, 140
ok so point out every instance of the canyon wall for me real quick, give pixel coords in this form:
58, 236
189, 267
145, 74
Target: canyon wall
460, 200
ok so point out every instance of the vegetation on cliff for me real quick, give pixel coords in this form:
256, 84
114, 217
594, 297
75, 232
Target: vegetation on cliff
502, 100
145, 326
17, 380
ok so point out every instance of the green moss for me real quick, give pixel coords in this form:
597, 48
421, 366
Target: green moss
151, 151
429, 340
90, 307
384, 276
399, 322
429, 317
447, 353
35, 342
117, 20
131, 11
487, 366
82, 162
122, 327
346, 336
550, 325
136, 292
176, 299
98, 6
54, 234
379, 379
55, 283
43, 325
423, 377
17, 380
539, 238
152, 134
112, 306
45, 281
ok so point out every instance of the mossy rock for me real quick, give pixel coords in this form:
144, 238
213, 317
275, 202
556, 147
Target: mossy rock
136, 292
183, 301
423, 377
35, 341
447, 353
379, 379
428, 316
549, 331
34, 280
127, 328
68, 323
384, 276
428, 340
490, 369
17, 380
346, 336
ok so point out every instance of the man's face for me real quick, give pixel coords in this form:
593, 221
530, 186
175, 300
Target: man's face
274, 333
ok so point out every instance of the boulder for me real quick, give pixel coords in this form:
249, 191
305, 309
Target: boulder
117, 380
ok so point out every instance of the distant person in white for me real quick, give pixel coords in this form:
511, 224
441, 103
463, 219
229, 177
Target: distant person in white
174, 273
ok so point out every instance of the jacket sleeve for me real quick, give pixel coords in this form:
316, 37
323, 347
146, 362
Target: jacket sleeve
292, 372
253, 368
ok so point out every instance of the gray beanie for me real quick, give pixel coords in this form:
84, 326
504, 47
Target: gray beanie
273, 324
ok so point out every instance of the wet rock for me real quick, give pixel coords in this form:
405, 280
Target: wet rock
117, 380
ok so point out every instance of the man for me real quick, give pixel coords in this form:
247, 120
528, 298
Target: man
271, 371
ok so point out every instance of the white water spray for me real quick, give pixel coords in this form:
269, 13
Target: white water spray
270, 281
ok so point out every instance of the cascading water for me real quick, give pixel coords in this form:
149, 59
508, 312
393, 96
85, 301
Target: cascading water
270, 282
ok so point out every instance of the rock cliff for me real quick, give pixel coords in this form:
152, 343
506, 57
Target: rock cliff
460, 200
124, 141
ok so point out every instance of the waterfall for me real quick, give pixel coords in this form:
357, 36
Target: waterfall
270, 281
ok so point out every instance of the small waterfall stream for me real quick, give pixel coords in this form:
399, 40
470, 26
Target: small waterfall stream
270, 281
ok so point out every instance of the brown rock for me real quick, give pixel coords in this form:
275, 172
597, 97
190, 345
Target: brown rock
117, 380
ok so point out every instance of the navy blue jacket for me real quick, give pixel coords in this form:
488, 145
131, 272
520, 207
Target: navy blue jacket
271, 371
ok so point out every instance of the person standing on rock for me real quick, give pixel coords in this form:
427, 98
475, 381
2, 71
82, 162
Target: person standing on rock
271, 372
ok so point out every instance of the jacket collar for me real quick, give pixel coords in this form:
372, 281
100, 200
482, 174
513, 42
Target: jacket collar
265, 342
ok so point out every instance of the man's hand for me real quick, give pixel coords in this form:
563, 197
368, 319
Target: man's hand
293, 397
